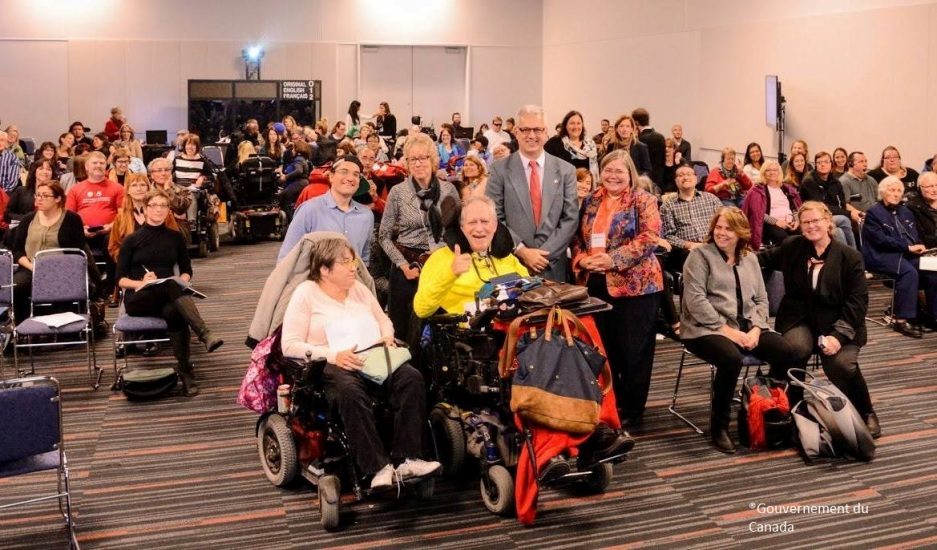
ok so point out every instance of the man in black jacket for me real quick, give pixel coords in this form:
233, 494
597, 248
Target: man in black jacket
654, 141
820, 185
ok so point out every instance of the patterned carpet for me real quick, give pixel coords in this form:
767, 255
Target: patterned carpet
184, 473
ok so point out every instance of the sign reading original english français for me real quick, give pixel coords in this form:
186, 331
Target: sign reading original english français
297, 89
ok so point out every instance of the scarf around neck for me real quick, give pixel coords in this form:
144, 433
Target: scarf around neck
429, 203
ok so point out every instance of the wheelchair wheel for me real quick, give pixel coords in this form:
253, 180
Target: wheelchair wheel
277, 450
599, 478
450, 440
497, 488
214, 237
281, 229
330, 501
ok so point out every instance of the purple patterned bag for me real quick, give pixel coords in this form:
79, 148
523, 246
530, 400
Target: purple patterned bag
259, 388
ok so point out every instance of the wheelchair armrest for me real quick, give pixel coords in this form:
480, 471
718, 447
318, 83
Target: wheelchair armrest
444, 319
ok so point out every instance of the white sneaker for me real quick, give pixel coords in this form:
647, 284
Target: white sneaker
414, 467
384, 477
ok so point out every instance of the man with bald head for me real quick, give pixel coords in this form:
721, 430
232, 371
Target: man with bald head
535, 197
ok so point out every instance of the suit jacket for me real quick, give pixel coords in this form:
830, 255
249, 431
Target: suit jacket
640, 156
685, 150
837, 308
655, 150
559, 212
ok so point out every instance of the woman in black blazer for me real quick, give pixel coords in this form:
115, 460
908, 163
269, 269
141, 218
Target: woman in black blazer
824, 304
626, 137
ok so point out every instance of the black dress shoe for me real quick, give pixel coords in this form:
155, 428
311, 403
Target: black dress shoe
903, 327
871, 422
722, 441
604, 443
556, 468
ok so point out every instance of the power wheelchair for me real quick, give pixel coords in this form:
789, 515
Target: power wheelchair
304, 437
257, 212
472, 419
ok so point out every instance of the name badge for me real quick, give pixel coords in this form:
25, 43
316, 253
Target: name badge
598, 241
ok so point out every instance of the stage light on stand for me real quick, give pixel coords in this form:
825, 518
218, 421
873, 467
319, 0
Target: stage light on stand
252, 56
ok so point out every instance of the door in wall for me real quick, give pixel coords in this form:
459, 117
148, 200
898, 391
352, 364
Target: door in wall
424, 80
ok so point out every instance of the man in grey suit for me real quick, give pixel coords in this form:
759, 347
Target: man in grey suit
530, 176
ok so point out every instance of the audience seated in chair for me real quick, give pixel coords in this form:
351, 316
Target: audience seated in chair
686, 218
823, 186
892, 246
151, 252
770, 207
824, 306
728, 181
719, 329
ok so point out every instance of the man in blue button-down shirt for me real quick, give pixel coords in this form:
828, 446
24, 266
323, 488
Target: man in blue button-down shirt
335, 211
9, 166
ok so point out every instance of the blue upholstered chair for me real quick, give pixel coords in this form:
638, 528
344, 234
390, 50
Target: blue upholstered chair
31, 440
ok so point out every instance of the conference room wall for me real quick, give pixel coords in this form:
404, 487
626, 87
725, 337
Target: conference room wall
140, 54
855, 74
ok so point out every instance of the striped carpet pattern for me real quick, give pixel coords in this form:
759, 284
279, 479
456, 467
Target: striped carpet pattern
184, 473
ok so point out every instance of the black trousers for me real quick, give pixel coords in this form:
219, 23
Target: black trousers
400, 293
726, 356
352, 396
841, 369
98, 246
628, 331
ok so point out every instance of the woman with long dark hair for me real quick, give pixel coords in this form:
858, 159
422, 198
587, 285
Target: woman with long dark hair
353, 120
752, 162
573, 145
22, 200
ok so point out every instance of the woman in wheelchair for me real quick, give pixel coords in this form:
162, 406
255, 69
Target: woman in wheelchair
325, 316
725, 314
153, 252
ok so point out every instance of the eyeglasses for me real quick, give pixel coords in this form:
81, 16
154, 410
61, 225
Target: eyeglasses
158, 205
618, 173
348, 262
122, 161
346, 173
159, 170
535, 131
416, 160
44, 195
496, 124
815, 221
